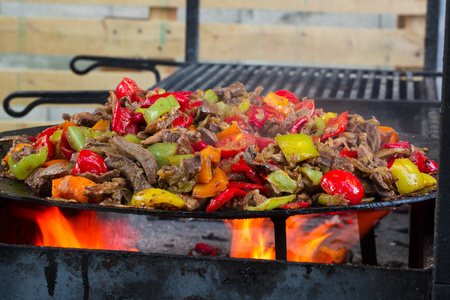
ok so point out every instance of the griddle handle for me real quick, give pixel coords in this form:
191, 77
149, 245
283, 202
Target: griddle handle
119, 62
56, 97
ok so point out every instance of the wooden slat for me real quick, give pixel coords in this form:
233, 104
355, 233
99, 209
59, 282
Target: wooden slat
6, 125
54, 80
165, 40
407, 7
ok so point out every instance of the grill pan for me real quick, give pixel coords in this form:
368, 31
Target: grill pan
17, 190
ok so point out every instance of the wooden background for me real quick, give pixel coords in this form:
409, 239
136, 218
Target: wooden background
162, 36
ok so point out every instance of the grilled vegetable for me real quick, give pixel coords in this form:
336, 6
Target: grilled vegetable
156, 197
343, 184
28, 164
297, 147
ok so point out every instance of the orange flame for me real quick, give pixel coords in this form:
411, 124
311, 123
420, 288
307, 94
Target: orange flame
82, 229
254, 238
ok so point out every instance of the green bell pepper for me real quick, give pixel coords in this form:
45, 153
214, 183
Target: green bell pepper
210, 96
297, 147
272, 203
28, 164
76, 136
133, 138
162, 152
160, 107
313, 175
330, 200
176, 159
281, 182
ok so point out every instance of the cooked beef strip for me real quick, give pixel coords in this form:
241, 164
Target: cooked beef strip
171, 136
108, 176
208, 109
192, 203
15, 139
142, 155
234, 91
178, 178
16, 156
130, 170
106, 188
85, 119
102, 148
207, 136
162, 122
40, 180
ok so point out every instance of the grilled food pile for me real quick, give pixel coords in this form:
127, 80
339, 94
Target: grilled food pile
219, 149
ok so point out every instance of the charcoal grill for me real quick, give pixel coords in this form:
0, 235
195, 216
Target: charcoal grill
396, 93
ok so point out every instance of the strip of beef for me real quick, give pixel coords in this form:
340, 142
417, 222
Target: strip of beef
207, 136
358, 125
208, 109
172, 136
163, 122
40, 180
180, 179
143, 156
232, 91
129, 170
111, 190
15, 139
83, 119
101, 147
108, 176
111, 104
261, 161
192, 203
16, 156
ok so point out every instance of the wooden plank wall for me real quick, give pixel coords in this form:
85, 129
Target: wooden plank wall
161, 36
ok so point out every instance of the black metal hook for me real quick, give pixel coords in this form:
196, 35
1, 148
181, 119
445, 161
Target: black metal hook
54, 97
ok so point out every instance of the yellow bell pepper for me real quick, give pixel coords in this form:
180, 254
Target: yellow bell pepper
297, 147
281, 182
407, 176
277, 102
156, 197
272, 203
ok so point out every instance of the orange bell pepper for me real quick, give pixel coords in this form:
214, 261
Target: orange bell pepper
232, 129
55, 161
393, 136
18, 147
278, 102
217, 184
102, 126
209, 155
72, 187
66, 125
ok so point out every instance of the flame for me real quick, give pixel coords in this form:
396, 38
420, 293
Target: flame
80, 229
254, 238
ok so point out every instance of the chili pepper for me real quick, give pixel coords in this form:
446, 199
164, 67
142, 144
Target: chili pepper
182, 121
28, 164
241, 166
424, 164
282, 182
299, 123
289, 95
239, 121
272, 203
72, 187
297, 147
156, 197
348, 153
199, 146
223, 198
88, 161
256, 116
162, 152
128, 87
123, 121
344, 184
160, 107
407, 176
47, 132
217, 184
335, 126
405, 145
306, 104
273, 114
44, 141
249, 186
295, 205
206, 250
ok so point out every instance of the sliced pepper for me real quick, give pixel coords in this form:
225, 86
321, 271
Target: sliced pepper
331, 200
241, 166
28, 164
299, 123
232, 129
424, 164
223, 198
407, 176
210, 96
211, 189
72, 187
343, 184
101, 125
176, 159
156, 197
277, 102
44, 141
272, 203
289, 95
88, 161
162, 152
123, 121
160, 107
348, 153
133, 138
281, 182
335, 126
314, 175
249, 186
128, 87
209, 155
297, 147
306, 104
295, 205
390, 135
76, 137
244, 105
257, 116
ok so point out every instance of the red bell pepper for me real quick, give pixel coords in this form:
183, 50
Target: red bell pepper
424, 164
242, 167
272, 113
348, 153
239, 121
405, 145
263, 142
199, 146
182, 121
299, 123
128, 87
289, 95
223, 198
295, 205
256, 116
88, 161
335, 126
249, 186
65, 148
48, 132
123, 121
306, 104
343, 184
44, 141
